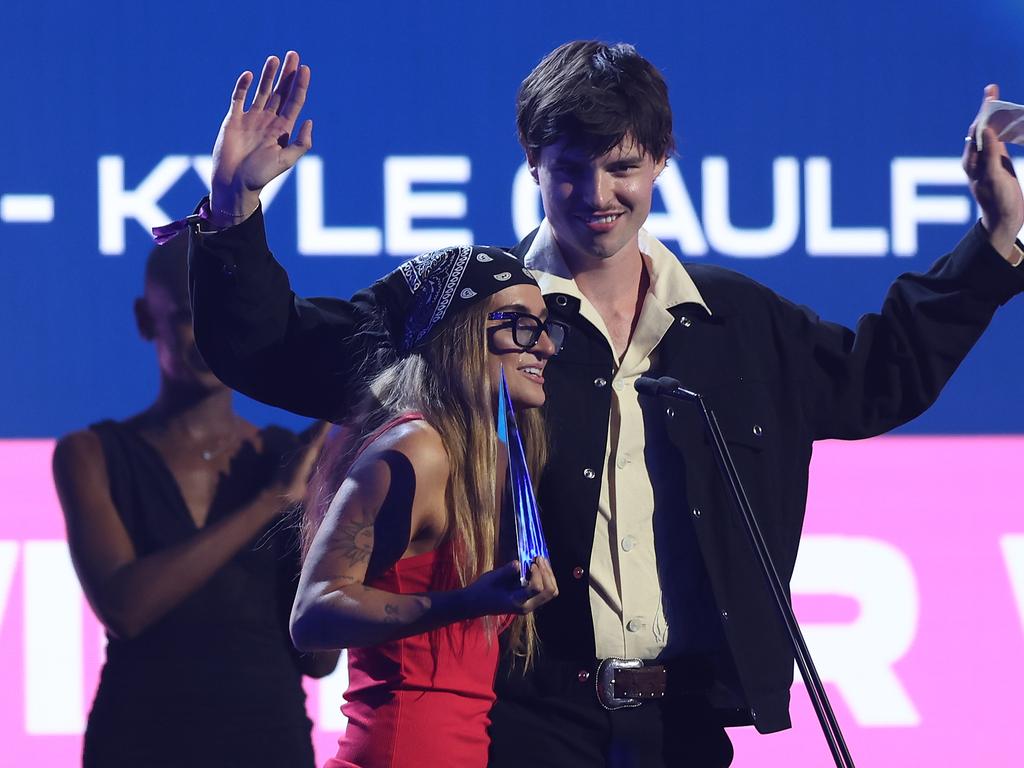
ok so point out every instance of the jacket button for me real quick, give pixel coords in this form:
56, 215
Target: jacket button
757, 430
589, 473
599, 382
582, 676
670, 412
725, 615
685, 322
228, 270
577, 572
695, 512
634, 625
561, 301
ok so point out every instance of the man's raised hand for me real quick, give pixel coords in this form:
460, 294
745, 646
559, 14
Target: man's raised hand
994, 185
256, 145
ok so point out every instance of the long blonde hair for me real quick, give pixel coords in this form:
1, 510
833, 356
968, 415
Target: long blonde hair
447, 381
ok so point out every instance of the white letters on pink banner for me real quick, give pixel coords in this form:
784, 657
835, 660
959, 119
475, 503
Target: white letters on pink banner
909, 587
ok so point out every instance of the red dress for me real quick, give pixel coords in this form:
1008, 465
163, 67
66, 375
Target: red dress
423, 700
411, 704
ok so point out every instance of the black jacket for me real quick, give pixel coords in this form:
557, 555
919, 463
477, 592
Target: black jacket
777, 376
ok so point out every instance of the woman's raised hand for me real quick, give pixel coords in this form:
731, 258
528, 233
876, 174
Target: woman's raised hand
256, 145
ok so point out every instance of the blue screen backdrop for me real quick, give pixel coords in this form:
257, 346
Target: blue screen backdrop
817, 152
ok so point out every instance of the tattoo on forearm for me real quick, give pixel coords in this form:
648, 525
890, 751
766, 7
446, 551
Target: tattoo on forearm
391, 614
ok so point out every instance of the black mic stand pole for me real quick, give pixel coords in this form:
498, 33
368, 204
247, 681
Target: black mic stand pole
669, 387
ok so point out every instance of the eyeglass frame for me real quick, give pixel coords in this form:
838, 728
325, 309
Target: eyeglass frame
543, 326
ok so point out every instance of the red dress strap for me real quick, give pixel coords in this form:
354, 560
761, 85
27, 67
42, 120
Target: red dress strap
397, 421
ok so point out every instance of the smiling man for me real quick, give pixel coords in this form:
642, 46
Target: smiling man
664, 632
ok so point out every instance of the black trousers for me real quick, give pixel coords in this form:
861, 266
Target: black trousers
571, 731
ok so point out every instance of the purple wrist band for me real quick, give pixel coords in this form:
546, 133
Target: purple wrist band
168, 232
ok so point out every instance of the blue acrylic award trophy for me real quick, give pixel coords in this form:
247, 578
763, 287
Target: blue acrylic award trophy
529, 535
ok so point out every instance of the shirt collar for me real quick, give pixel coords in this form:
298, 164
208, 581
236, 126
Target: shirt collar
671, 284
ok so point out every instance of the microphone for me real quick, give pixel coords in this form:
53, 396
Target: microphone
666, 386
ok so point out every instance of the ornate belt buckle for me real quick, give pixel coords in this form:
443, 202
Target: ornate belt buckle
604, 682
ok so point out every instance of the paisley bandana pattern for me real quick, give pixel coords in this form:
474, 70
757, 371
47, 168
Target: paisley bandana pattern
441, 283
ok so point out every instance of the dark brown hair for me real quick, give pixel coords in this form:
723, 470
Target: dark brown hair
593, 94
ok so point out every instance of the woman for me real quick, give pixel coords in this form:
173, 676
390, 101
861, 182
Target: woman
400, 567
174, 521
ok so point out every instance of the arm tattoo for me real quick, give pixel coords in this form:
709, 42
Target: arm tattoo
391, 614
353, 539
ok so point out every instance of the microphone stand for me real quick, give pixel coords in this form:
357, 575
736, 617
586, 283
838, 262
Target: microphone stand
669, 387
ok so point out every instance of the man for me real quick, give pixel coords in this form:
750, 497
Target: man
651, 562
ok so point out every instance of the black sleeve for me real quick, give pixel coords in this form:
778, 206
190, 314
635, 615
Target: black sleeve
259, 338
862, 382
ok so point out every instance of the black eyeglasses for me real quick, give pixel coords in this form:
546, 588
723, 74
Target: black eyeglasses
527, 328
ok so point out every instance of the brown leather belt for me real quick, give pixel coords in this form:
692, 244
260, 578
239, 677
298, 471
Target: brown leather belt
624, 683
647, 682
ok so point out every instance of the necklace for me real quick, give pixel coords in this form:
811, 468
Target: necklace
223, 442
209, 455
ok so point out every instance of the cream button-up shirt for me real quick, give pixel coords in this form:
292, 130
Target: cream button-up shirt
625, 592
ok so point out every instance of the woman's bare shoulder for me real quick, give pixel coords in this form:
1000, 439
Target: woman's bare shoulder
421, 445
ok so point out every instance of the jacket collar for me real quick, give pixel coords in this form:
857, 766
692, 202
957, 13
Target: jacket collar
671, 284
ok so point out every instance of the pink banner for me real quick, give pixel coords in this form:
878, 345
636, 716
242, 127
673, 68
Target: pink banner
909, 586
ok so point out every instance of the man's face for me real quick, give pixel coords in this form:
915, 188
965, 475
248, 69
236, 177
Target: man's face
596, 205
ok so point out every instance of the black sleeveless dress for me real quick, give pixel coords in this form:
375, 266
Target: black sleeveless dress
215, 682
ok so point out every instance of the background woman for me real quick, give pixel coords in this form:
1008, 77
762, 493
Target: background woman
174, 523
